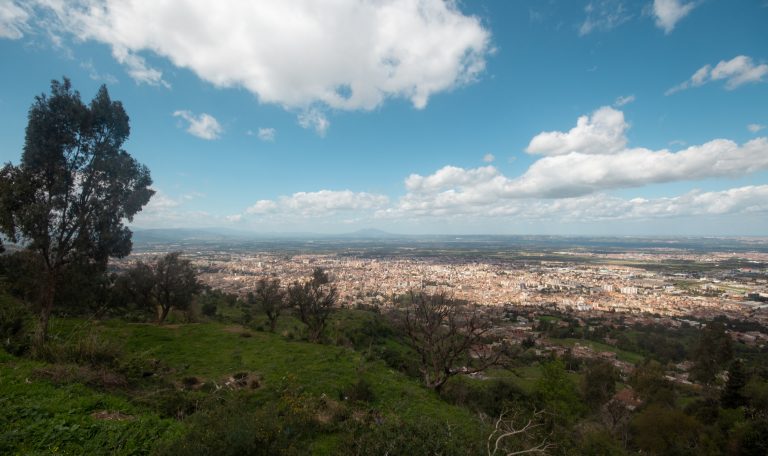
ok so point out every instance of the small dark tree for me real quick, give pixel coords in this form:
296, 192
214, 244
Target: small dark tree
732, 395
269, 298
713, 352
447, 336
175, 283
68, 199
314, 301
599, 383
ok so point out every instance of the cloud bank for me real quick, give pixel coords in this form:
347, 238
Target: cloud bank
303, 55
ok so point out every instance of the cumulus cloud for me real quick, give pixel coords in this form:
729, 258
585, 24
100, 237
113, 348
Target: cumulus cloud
603, 15
267, 134
754, 128
13, 20
588, 159
669, 12
602, 132
595, 207
348, 55
489, 158
318, 204
623, 100
203, 126
736, 72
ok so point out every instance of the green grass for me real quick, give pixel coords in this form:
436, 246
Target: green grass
622, 355
40, 417
37, 417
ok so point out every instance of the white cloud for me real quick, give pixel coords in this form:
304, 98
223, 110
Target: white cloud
580, 173
95, 75
449, 176
489, 158
581, 162
262, 207
603, 15
267, 134
754, 128
203, 126
591, 208
13, 20
601, 133
344, 55
623, 100
138, 69
315, 119
669, 12
322, 203
736, 72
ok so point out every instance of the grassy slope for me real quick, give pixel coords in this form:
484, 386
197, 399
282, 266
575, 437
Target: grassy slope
210, 352
39, 418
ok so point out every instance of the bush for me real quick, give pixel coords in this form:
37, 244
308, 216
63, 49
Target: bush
422, 436
360, 391
89, 349
237, 427
16, 326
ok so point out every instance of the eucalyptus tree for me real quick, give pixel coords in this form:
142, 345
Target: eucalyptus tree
69, 198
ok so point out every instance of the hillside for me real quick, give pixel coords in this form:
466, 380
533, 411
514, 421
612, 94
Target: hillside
128, 388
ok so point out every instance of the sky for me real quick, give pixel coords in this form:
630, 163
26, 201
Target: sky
578, 117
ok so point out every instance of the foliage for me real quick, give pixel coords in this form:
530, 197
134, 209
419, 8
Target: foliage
314, 301
269, 298
651, 384
557, 392
74, 188
713, 351
599, 383
16, 324
169, 283
660, 430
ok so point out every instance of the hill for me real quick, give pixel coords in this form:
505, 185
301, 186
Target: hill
131, 388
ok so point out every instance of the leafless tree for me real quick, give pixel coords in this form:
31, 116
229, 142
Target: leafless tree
507, 430
447, 335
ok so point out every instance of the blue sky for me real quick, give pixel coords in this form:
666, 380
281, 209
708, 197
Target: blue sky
507, 117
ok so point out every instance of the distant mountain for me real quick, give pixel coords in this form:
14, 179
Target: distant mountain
368, 233
170, 235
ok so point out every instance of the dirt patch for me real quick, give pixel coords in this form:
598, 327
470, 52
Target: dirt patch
233, 329
106, 415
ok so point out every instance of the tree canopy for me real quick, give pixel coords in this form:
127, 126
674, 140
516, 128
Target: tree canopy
68, 199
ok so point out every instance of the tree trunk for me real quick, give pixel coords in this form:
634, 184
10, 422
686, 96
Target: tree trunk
272, 324
41, 334
163, 314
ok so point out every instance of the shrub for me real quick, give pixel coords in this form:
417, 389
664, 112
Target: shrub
16, 326
360, 391
237, 427
89, 349
422, 436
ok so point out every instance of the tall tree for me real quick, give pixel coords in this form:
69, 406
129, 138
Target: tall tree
270, 299
447, 335
68, 199
314, 301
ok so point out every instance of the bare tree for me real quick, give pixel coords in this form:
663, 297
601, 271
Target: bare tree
506, 431
447, 335
314, 301
270, 299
